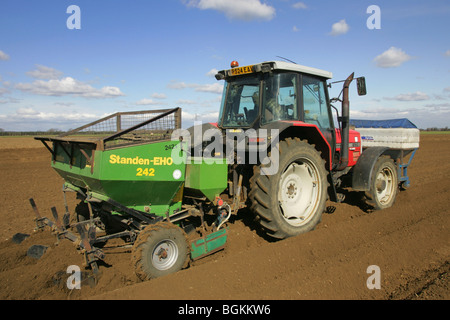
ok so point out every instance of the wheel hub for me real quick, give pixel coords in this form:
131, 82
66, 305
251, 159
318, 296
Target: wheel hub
384, 185
164, 254
298, 192
381, 185
291, 190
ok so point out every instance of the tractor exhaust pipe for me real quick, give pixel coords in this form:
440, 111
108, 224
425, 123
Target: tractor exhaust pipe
345, 124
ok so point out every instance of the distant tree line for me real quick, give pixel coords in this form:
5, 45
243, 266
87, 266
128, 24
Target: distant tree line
436, 129
30, 133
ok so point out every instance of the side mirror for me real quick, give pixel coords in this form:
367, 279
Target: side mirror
361, 84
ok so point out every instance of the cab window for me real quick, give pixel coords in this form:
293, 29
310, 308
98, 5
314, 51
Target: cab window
280, 97
241, 103
315, 103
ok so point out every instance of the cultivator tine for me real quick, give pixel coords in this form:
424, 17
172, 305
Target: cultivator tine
66, 216
59, 226
91, 235
60, 230
40, 222
66, 220
91, 253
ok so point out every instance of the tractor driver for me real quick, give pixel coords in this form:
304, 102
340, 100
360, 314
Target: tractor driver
272, 110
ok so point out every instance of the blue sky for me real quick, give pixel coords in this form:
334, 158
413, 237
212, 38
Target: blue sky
141, 55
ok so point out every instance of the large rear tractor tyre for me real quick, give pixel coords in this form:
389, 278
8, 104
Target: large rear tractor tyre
383, 185
291, 201
159, 250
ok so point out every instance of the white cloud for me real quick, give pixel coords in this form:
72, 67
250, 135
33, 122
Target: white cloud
212, 88
443, 107
393, 57
3, 91
339, 28
26, 112
383, 113
177, 85
299, 5
64, 104
415, 96
159, 96
9, 100
45, 73
184, 102
146, 102
203, 117
212, 73
427, 116
68, 86
3, 56
29, 113
246, 10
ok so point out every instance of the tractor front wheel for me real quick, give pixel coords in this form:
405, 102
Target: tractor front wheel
160, 249
291, 201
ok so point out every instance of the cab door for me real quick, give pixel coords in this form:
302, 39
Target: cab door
315, 108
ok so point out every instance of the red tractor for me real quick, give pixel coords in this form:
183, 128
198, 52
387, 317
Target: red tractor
288, 107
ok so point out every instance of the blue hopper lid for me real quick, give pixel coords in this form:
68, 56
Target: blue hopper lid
392, 123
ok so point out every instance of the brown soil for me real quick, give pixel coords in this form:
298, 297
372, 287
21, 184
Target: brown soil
409, 242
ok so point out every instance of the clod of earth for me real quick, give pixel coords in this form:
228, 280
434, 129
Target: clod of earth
36, 251
18, 238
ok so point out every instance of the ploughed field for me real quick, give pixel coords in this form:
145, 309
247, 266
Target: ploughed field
409, 243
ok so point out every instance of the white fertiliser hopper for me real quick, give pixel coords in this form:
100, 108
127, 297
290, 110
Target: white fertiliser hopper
395, 138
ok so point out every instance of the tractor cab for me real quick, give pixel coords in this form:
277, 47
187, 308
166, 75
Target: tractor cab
259, 95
